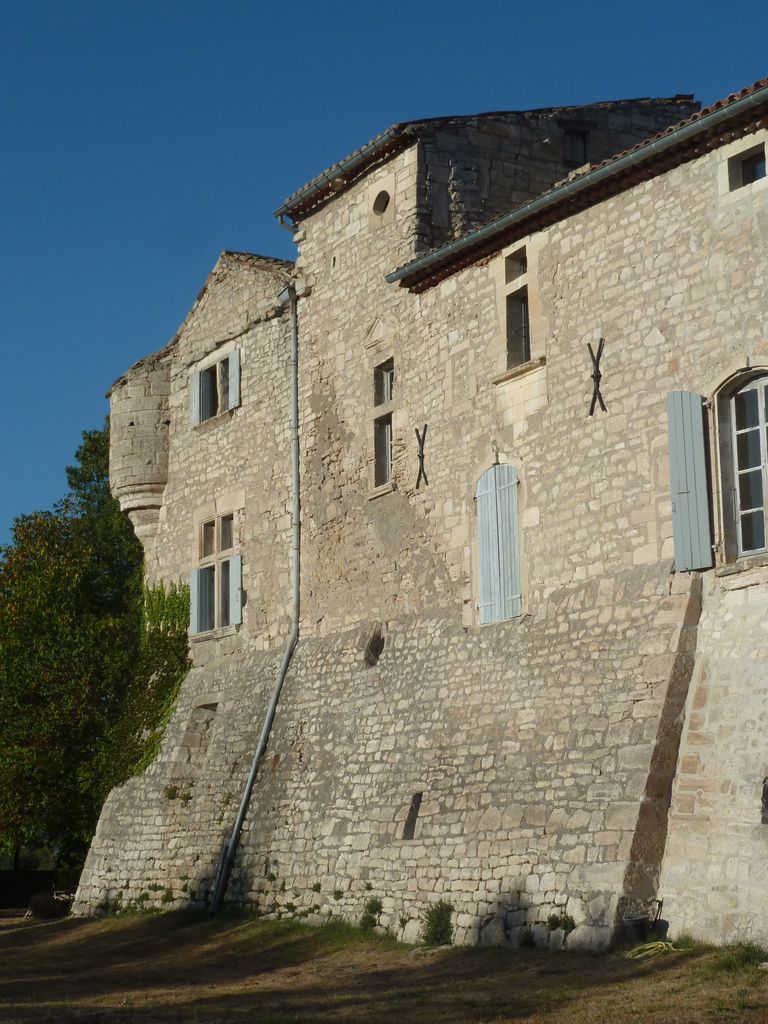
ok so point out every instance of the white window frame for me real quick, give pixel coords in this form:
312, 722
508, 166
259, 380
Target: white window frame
741, 470
217, 606
382, 426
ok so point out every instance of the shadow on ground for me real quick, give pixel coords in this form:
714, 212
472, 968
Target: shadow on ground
181, 969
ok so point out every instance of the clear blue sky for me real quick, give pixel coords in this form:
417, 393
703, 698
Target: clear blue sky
141, 138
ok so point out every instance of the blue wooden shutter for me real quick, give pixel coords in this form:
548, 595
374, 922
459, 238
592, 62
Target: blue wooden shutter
194, 602
234, 379
688, 482
509, 547
194, 398
235, 590
489, 604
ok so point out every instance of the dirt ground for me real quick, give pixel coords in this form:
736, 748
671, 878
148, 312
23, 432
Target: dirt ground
173, 969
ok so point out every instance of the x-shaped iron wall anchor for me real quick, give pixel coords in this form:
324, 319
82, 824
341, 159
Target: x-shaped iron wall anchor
421, 438
596, 377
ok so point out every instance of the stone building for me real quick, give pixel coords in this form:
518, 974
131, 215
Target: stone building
529, 672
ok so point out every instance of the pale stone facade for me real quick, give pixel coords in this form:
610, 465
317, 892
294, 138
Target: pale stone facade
544, 748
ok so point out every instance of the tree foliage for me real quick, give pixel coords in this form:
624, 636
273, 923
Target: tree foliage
84, 681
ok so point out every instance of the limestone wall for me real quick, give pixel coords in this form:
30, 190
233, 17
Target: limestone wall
545, 746
716, 870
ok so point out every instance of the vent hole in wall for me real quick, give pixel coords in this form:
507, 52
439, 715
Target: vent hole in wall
413, 813
381, 202
764, 805
374, 647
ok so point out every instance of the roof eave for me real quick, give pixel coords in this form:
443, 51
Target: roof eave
437, 262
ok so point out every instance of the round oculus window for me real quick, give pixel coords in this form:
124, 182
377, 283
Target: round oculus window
381, 202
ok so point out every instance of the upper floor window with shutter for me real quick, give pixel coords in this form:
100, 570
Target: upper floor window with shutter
215, 388
498, 544
741, 437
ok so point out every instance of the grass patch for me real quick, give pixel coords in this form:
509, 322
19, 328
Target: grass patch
237, 967
730, 959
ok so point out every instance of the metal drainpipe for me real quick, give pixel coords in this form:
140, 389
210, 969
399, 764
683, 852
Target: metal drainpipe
228, 854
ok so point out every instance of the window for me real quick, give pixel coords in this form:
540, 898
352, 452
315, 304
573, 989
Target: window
214, 389
515, 266
383, 396
518, 330
575, 148
749, 427
498, 549
515, 310
746, 168
215, 587
381, 202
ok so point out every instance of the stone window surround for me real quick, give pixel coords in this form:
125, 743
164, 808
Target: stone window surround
538, 326
384, 183
728, 558
380, 348
725, 155
231, 502
213, 358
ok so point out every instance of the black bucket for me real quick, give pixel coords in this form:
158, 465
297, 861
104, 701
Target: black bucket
637, 928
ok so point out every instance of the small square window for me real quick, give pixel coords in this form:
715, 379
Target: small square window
746, 168
515, 266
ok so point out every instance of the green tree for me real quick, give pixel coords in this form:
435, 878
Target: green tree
85, 683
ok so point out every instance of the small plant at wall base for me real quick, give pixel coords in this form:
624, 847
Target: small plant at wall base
371, 914
564, 921
436, 924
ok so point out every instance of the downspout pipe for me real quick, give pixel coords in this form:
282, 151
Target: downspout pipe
286, 297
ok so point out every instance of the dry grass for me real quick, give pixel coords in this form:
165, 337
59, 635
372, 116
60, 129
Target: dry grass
181, 970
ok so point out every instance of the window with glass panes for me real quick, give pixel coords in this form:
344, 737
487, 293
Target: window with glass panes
749, 416
215, 587
383, 396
